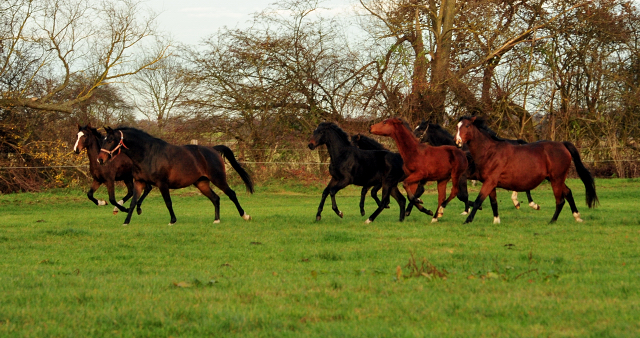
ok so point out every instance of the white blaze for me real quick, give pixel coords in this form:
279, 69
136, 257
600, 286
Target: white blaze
80, 134
458, 138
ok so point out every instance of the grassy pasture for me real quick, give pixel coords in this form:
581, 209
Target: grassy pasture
69, 268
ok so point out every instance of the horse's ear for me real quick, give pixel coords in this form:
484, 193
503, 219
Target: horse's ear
473, 119
108, 130
89, 125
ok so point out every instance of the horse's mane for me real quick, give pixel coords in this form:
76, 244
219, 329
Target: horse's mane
481, 124
366, 143
143, 135
98, 135
339, 132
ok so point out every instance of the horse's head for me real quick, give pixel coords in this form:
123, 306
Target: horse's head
386, 127
422, 130
85, 137
320, 135
466, 130
111, 145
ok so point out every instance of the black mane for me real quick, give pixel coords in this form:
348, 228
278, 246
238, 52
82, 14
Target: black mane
144, 136
481, 124
366, 143
338, 131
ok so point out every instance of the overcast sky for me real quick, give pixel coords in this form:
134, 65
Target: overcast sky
189, 21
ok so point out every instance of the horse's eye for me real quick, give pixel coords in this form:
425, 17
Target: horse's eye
384, 122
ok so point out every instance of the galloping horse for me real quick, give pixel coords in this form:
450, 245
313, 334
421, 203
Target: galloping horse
522, 167
351, 165
169, 166
424, 163
435, 135
119, 169
367, 143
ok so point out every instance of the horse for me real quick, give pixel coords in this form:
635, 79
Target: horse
424, 163
169, 166
501, 164
435, 135
351, 165
119, 169
367, 143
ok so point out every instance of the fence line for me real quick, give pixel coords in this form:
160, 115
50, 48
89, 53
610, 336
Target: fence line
250, 162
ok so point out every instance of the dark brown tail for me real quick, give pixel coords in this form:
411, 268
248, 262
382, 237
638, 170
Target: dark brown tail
585, 175
228, 154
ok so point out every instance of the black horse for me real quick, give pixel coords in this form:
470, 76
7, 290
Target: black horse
435, 135
351, 165
169, 166
367, 143
119, 169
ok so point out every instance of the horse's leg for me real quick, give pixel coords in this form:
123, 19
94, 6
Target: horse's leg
205, 189
137, 190
384, 201
332, 192
232, 196
494, 206
514, 199
112, 197
532, 204
94, 186
129, 184
558, 192
419, 192
397, 195
412, 189
386, 193
442, 191
572, 204
374, 194
164, 190
147, 189
363, 195
463, 193
325, 193
487, 187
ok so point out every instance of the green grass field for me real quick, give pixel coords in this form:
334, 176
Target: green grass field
70, 269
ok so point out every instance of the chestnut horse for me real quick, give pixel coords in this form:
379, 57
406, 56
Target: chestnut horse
119, 169
435, 135
521, 167
423, 163
169, 166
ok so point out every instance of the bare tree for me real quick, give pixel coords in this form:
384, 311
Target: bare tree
52, 48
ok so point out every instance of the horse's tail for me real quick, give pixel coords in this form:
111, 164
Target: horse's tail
585, 175
228, 154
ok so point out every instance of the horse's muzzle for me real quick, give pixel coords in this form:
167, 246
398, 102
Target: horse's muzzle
103, 158
312, 145
459, 143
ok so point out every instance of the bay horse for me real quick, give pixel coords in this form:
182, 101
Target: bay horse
351, 165
119, 169
501, 164
169, 166
435, 135
367, 143
423, 163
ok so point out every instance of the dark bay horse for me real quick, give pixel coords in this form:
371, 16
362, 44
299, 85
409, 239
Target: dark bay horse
168, 166
119, 169
435, 135
522, 167
423, 163
351, 165
367, 143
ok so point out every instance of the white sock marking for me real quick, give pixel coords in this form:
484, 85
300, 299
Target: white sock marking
102, 202
246, 217
368, 221
216, 221
434, 220
496, 220
576, 215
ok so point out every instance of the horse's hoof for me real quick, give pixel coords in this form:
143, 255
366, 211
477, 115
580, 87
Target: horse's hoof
429, 212
362, 213
419, 201
340, 214
464, 213
368, 221
102, 202
517, 206
318, 218
171, 224
434, 220
440, 215
246, 217
496, 220
125, 224
216, 221
139, 211
115, 211
576, 215
534, 206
